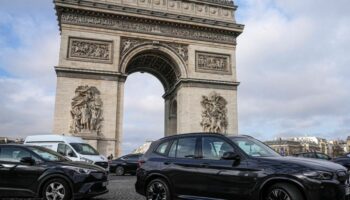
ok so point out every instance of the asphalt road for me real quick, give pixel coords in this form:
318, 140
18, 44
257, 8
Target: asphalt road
121, 188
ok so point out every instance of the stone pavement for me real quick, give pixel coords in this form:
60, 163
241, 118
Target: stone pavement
121, 188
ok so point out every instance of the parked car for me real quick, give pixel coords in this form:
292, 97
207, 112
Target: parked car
33, 171
343, 160
125, 164
74, 148
315, 155
213, 166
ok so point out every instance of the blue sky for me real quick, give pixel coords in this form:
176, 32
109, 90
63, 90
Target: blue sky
292, 61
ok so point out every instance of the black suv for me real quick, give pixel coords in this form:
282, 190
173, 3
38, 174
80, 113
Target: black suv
213, 166
125, 164
30, 171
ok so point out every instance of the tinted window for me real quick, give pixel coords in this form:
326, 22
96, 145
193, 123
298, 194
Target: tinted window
134, 157
214, 148
162, 148
13, 154
322, 156
186, 148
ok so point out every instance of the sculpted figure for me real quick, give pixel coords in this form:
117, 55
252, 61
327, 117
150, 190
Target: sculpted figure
86, 111
214, 114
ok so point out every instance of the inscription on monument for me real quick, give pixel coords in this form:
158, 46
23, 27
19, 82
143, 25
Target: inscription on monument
214, 114
90, 50
211, 62
86, 111
129, 43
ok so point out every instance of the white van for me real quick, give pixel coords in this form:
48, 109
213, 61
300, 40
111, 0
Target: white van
73, 148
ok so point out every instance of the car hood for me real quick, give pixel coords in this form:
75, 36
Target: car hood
81, 165
306, 163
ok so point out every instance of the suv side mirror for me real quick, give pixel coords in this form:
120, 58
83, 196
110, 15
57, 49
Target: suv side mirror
230, 156
27, 160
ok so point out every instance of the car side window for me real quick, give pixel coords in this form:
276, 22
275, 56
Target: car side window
162, 148
213, 148
13, 154
186, 147
322, 156
65, 150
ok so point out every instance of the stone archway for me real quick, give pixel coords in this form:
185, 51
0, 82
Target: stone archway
188, 45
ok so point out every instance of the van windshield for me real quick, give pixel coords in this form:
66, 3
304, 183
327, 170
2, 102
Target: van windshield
84, 149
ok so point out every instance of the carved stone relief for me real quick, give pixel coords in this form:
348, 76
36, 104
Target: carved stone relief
86, 111
90, 50
130, 43
214, 114
148, 27
212, 62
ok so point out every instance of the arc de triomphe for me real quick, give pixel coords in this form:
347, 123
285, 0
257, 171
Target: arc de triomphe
189, 45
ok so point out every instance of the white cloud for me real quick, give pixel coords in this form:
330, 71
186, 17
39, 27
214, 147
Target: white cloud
292, 64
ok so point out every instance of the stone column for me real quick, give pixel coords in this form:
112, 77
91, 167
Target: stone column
119, 117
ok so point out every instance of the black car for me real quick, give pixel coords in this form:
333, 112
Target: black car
315, 155
125, 164
343, 160
213, 166
31, 171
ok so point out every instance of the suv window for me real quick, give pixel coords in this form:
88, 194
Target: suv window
213, 148
65, 150
133, 157
186, 148
13, 154
162, 148
322, 156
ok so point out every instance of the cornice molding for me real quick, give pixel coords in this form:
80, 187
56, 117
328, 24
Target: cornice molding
147, 26
83, 4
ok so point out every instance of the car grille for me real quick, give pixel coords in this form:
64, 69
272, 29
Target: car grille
343, 177
102, 164
98, 175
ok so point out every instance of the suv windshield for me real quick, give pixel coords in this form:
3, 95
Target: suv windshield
84, 149
254, 147
48, 154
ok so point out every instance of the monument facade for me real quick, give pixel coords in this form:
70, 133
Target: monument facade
189, 45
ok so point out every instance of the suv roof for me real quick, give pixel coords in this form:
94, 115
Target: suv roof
202, 133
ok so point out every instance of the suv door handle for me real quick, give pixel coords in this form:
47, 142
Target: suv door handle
1, 166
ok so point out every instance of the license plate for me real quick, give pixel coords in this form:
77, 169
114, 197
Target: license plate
347, 190
104, 184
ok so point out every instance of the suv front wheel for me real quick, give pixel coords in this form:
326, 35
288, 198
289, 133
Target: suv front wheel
56, 189
283, 191
158, 189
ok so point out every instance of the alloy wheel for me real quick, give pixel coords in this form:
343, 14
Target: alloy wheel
278, 194
55, 191
120, 171
156, 191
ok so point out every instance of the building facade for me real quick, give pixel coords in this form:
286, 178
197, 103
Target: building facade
189, 45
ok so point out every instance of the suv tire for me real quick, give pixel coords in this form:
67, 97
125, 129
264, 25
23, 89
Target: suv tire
158, 189
56, 188
281, 191
119, 171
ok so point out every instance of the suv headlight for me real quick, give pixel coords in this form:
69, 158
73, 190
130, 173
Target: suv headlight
318, 175
79, 170
86, 160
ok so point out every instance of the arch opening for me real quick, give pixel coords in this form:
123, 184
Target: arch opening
157, 63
